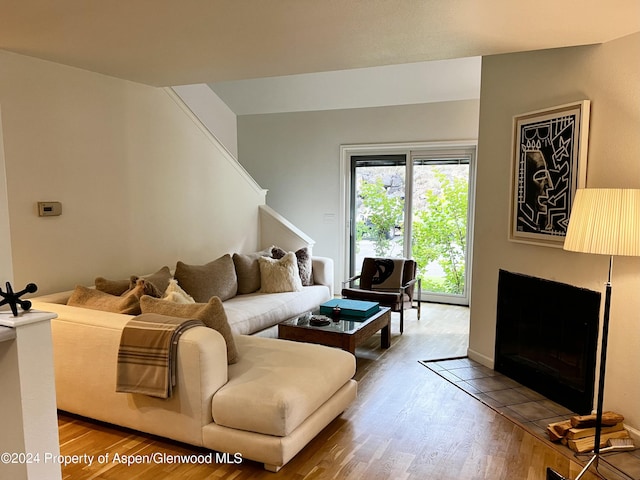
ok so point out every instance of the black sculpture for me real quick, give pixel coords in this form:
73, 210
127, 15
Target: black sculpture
13, 299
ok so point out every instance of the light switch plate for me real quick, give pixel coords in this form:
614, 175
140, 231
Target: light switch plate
49, 209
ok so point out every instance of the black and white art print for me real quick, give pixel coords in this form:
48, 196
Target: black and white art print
549, 164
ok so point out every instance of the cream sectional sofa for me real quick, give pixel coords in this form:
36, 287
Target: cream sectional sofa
266, 407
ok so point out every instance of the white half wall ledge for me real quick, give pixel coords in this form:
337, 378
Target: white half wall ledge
214, 114
277, 230
7, 334
215, 141
27, 370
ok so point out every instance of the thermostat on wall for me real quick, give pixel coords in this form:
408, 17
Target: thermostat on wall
49, 209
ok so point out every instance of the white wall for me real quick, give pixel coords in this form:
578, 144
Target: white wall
142, 184
212, 112
6, 263
609, 76
296, 156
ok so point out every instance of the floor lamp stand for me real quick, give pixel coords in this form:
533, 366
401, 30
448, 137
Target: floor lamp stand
603, 364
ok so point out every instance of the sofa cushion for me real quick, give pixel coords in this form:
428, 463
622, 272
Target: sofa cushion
211, 313
277, 276
303, 256
127, 303
214, 279
271, 391
254, 312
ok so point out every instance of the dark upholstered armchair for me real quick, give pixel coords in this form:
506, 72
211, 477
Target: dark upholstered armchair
391, 282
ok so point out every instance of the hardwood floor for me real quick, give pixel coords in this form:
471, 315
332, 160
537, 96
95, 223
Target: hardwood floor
407, 423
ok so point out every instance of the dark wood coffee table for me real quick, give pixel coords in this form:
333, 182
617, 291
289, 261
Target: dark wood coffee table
346, 334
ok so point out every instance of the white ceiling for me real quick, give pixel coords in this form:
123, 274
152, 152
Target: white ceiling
177, 42
406, 84
369, 52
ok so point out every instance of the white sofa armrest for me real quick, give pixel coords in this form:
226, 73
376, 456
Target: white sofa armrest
322, 268
85, 350
60, 298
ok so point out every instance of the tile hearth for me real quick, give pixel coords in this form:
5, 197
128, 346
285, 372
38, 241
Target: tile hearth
503, 394
520, 404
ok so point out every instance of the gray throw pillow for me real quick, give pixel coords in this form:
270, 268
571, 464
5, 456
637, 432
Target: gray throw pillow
214, 279
112, 287
160, 280
248, 270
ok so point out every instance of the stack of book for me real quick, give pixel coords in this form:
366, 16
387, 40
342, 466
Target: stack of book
350, 308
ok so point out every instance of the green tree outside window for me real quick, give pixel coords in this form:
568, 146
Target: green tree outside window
440, 234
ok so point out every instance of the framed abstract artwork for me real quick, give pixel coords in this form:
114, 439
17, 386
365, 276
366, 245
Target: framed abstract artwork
549, 163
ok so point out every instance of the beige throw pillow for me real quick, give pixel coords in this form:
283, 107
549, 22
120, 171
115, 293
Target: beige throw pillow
277, 276
212, 315
215, 279
303, 256
175, 294
127, 303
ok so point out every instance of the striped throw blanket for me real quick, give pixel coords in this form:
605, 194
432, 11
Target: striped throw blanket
147, 355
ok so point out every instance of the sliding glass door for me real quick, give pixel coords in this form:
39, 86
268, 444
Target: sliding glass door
378, 194
415, 205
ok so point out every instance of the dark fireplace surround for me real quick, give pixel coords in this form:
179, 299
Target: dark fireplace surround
546, 338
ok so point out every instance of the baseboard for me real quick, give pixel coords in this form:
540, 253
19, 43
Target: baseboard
480, 358
635, 434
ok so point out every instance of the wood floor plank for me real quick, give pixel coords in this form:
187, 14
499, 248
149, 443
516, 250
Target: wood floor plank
407, 423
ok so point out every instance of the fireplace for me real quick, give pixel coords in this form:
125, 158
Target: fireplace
546, 338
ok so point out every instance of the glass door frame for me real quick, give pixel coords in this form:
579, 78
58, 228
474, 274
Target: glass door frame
412, 151
394, 159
